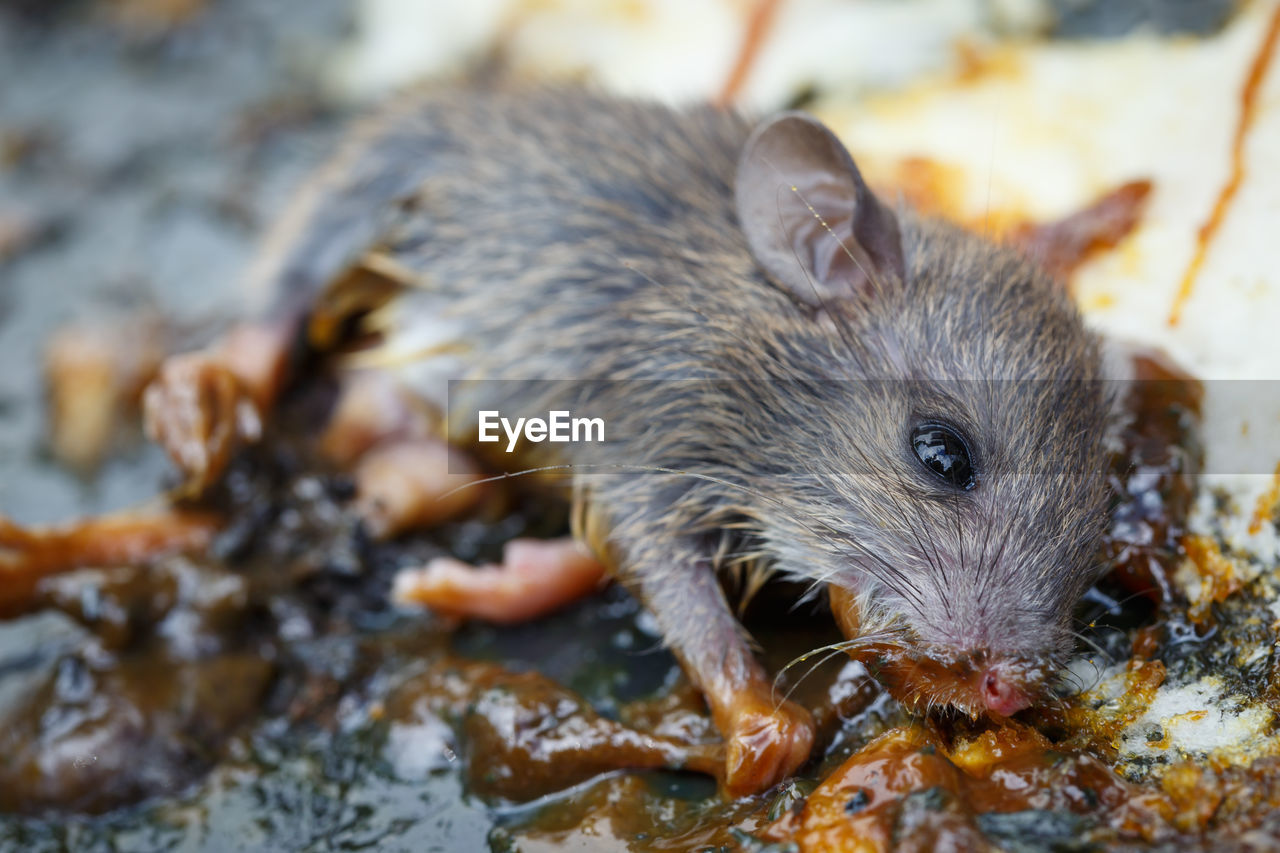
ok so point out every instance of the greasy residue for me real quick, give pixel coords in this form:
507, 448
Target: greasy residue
1267, 503
1248, 112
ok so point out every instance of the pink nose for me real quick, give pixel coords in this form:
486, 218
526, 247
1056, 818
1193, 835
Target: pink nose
1000, 693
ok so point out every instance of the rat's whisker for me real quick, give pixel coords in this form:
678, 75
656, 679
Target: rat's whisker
1092, 645
833, 537
830, 651
935, 562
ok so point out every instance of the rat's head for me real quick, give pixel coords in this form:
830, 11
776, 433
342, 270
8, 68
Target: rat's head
946, 475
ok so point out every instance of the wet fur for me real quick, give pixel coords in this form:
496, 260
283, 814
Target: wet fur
562, 235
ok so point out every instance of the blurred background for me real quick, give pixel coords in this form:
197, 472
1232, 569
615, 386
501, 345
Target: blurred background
145, 144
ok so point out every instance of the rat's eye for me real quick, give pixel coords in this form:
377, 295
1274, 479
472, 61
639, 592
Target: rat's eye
941, 449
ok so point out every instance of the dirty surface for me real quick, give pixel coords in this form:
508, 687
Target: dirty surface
264, 694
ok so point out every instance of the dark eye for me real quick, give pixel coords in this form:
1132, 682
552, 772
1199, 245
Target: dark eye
941, 449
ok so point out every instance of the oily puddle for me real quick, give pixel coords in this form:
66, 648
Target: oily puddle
263, 691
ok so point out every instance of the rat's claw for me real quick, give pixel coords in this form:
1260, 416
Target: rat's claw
766, 744
198, 411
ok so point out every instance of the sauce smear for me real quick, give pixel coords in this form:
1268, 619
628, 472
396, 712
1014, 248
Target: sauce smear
1248, 111
757, 27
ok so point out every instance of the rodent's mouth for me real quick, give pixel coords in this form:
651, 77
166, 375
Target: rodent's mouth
976, 684
925, 679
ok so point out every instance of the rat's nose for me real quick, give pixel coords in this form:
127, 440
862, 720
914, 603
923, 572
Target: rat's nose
1000, 691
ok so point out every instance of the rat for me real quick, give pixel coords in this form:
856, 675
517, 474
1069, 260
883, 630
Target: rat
794, 376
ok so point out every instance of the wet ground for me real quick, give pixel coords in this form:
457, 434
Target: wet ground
264, 695
141, 165
137, 166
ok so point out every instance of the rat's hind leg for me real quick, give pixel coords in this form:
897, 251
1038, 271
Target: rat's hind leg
767, 737
534, 578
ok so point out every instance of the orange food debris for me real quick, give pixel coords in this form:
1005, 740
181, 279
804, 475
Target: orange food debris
1248, 112
758, 25
929, 186
30, 554
1218, 575
1103, 733
1266, 508
867, 803
1146, 642
534, 578
1196, 795
1062, 245
974, 61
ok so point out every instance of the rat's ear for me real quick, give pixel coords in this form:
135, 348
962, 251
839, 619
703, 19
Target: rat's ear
809, 218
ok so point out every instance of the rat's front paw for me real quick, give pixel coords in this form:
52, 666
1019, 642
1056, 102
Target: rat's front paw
765, 744
198, 411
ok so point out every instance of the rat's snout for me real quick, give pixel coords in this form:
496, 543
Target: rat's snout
976, 681
1002, 690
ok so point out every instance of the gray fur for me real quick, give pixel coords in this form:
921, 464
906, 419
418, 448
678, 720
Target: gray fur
562, 235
